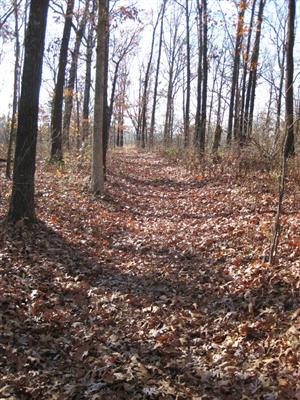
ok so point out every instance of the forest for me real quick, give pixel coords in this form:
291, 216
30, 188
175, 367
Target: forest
149, 199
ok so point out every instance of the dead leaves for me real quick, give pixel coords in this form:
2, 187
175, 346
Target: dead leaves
158, 291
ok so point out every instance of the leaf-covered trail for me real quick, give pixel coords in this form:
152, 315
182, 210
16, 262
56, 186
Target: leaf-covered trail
156, 291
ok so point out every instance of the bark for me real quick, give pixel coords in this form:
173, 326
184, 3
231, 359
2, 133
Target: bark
289, 149
69, 89
56, 117
22, 205
97, 184
217, 139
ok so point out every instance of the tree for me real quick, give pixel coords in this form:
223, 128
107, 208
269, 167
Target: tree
100, 110
174, 44
200, 123
188, 76
69, 89
252, 81
57, 106
236, 65
146, 84
289, 149
152, 123
88, 74
21, 205
15, 89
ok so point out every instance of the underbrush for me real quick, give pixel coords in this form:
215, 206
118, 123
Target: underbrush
249, 163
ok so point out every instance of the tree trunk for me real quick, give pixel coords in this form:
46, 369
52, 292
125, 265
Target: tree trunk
88, 78
188, 77
289, 149
236, 66
56, 117
106, 122
97, 184
13, 127
200, 78
253, 69
242, 126
146, 84
152, 123
202, 130
69, 89
22, 200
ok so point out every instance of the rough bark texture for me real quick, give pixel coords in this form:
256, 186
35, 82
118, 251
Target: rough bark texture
22, 199
56, 117
289, 102
97, 184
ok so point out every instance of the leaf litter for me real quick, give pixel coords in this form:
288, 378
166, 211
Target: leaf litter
158, 290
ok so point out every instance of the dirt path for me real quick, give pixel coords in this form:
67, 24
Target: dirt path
156, 291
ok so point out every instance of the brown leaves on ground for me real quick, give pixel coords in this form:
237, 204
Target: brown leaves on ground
158, 290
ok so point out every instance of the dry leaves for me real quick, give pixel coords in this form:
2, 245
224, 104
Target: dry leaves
160, 290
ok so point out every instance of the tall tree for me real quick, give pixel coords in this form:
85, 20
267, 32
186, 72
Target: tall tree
69, 89
57, 106
289, 101
246, 57
236, 65
88, 73
100, 111
15, 89
157, 70
200, 124
146, 85
252, 81
188, 76
22, 200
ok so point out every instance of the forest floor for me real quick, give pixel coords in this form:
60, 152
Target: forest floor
158, 290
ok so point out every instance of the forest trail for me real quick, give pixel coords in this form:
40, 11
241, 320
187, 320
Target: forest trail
158, 290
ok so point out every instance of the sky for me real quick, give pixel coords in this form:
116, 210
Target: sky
7, 60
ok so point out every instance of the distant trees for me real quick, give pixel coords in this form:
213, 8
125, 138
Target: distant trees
203, 69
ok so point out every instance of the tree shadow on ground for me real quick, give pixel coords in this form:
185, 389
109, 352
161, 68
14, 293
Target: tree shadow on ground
79, 325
